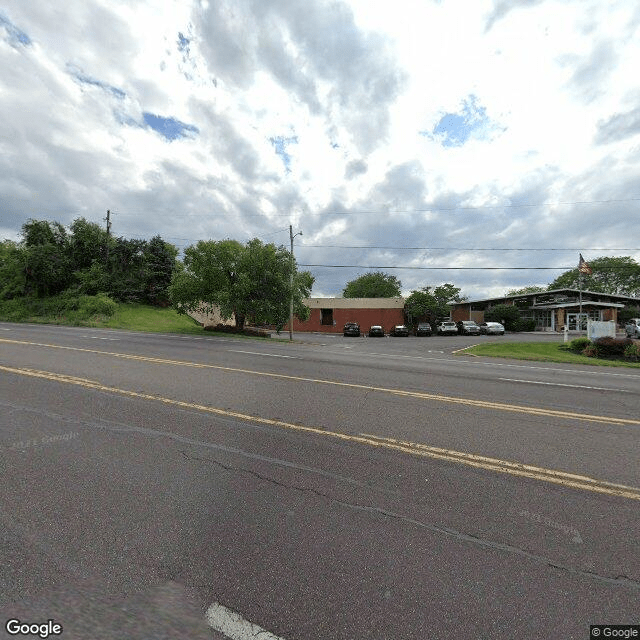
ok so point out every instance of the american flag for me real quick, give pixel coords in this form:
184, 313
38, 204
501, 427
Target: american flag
583, 267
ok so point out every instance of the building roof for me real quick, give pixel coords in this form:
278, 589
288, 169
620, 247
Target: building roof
612, 297
354, 303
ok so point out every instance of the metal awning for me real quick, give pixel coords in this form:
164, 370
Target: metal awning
585, 303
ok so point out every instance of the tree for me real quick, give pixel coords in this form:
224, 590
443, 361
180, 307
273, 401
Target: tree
373, 285
618, 276
159, 265
249, 281
431, 305
525, 290
47, 263
507, 314
87, 243
12, 270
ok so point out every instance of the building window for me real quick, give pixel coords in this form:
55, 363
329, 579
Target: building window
326, 317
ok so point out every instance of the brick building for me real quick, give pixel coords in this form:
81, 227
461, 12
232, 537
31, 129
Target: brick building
330, 314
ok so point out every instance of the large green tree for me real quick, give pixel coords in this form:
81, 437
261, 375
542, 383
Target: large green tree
47, 263
12, 270
432, 305
87, 243
375, 284
251, 281
616, 275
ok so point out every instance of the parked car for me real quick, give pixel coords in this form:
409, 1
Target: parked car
351, 329
423, 329
400, 330
632, 328
376, 331
468, 328
491, 328
447, 329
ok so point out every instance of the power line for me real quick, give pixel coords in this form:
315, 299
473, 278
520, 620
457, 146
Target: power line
434, 209
344, 246
360, 266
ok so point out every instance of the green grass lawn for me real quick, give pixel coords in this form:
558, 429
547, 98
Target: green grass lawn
540, 351
129, 316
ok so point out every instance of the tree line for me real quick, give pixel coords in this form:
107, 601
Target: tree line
252, 281
85, 260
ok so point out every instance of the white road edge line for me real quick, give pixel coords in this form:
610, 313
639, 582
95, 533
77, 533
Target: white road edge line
558, 384
256, 353
234, 626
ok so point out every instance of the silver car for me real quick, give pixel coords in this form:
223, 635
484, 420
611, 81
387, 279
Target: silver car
491, 328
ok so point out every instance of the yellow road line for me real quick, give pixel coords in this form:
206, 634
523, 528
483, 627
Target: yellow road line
482, 462
483, 404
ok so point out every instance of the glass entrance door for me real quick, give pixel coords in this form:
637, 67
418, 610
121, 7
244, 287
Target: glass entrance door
577, 323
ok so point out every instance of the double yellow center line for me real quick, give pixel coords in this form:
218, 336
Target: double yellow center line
421, 450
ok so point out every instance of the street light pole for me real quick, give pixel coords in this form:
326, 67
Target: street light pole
292, 236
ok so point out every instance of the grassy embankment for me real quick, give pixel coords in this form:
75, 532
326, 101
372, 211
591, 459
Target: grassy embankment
92, 311
539, 351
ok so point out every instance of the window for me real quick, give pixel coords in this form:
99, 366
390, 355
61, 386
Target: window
326, 317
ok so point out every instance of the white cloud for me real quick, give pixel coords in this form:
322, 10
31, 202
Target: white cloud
350, 85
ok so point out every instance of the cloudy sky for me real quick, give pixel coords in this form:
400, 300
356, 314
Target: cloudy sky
447, 137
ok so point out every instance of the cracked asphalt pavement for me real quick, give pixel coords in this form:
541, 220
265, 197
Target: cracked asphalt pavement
138, 490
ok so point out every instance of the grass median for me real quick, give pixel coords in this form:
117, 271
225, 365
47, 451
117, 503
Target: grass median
539, 351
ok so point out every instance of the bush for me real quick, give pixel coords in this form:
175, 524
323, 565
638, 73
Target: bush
100, 304
608, 347
578, 344
63, 307
632, 351
591, 351
507, 314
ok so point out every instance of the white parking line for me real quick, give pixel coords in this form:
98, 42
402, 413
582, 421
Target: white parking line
234, 626
256, 353
558, 384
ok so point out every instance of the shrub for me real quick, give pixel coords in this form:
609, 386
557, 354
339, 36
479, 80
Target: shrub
591, 351
632, 351
100, 304
578, 344
608, 347
507, 314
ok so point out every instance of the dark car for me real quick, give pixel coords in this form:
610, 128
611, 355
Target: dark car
376, 331
400, 330
351, 329
468, 328
423, 329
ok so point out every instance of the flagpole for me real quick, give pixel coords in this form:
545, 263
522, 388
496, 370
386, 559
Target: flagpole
580, 289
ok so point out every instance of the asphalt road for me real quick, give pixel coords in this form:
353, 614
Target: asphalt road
162, 486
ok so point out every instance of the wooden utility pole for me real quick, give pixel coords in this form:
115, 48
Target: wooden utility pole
108, 219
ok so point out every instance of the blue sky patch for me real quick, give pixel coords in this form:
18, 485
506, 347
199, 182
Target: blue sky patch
454, 129
169, 128
15, 36
183, 43
82, 78
280, 144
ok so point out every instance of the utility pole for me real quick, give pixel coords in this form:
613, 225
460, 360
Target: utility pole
108, 219
291, 236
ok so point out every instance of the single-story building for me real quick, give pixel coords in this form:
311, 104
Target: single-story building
551, 310
330, 314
